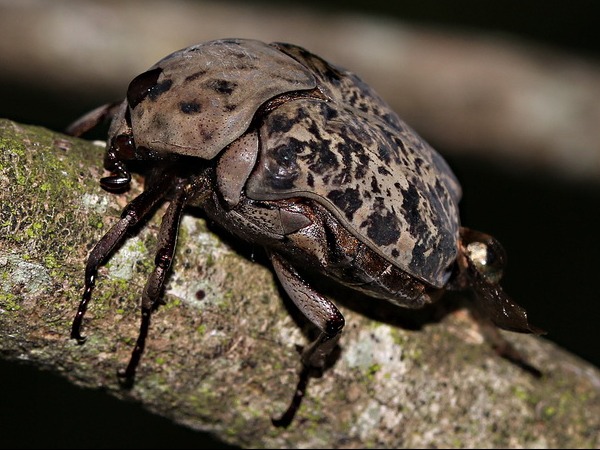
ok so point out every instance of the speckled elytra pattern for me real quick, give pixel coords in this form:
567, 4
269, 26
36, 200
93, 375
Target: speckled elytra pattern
322, 133
384, 187
352, 153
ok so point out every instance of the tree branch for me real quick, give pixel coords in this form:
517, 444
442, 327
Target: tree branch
221, 353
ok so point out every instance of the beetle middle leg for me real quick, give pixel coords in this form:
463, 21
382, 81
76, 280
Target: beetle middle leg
140, 208
322, 313
151, 298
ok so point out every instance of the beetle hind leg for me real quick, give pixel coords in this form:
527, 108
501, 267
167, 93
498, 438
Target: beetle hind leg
500, 344
323, 314
151, 298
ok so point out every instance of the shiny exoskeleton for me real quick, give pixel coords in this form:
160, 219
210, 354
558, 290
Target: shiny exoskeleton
303, 158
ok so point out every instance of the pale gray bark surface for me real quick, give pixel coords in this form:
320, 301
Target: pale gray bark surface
221, 353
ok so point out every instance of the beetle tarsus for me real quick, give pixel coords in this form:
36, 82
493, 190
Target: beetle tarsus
90, 279
125, 381
137, 210
287, 417
167, 240
127, 376
76, 329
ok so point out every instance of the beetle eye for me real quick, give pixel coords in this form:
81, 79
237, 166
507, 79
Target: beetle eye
488, 258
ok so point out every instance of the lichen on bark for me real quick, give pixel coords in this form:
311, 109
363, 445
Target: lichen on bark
221, 353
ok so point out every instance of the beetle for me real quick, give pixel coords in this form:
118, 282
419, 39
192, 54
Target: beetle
303, 158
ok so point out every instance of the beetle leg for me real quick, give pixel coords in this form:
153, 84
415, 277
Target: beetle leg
482, 260
322, 313
136, 211
151, 298
500, 344
92, 119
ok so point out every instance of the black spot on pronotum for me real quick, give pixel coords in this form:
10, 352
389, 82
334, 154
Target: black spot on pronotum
195, 75
159, 88
221, 86
189, 107
146, 85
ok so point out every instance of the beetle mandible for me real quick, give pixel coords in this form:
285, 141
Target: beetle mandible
299, 156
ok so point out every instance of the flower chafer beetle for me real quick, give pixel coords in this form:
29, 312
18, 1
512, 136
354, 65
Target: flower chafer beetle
303, 158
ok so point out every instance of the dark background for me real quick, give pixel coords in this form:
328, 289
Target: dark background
548, 227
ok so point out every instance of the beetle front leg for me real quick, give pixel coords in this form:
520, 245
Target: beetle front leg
323, 314
151, 298
133, 214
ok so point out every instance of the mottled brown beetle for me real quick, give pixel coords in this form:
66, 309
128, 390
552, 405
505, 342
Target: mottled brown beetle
302, 157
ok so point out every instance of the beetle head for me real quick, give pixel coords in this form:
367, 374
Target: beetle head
122, 151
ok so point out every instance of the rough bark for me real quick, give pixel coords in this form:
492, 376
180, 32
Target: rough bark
221, 354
